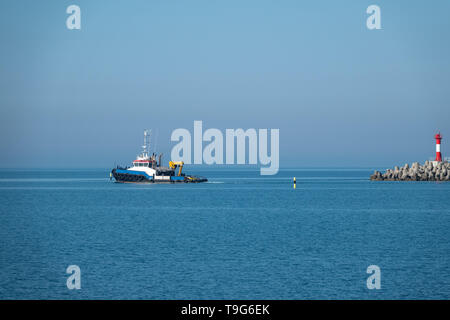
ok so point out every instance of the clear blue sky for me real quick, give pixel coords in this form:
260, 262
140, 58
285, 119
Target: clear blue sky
341, 95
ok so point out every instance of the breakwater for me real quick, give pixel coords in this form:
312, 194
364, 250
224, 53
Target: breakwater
430, 171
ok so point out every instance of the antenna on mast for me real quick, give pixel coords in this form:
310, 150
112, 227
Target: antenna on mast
146, 146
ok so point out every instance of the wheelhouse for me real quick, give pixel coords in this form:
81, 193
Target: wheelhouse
141, 163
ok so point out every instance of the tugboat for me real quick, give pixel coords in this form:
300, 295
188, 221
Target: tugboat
145, 169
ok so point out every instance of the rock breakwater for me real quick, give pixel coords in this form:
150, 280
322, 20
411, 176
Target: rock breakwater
430, 171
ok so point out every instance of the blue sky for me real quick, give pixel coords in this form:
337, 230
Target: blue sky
341, 95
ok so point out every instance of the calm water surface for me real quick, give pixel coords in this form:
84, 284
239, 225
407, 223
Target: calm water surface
239, 236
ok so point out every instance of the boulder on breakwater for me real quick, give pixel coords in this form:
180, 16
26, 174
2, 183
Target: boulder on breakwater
430, 171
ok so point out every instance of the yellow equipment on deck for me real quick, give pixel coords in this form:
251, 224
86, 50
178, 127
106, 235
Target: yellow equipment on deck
174, 164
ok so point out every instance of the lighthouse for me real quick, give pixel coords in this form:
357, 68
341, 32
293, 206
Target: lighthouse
438, 138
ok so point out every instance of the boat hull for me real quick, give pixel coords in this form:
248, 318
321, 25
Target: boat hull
130, 176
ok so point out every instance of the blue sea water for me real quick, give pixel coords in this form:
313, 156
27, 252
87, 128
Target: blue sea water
239, 236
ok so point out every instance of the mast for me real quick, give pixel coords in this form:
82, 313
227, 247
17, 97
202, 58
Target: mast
146, 146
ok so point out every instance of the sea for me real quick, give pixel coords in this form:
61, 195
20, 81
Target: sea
238, 236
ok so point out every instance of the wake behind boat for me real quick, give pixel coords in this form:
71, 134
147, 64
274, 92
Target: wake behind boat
145, 169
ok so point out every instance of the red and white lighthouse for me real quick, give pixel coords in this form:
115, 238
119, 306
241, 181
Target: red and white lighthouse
438, 138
